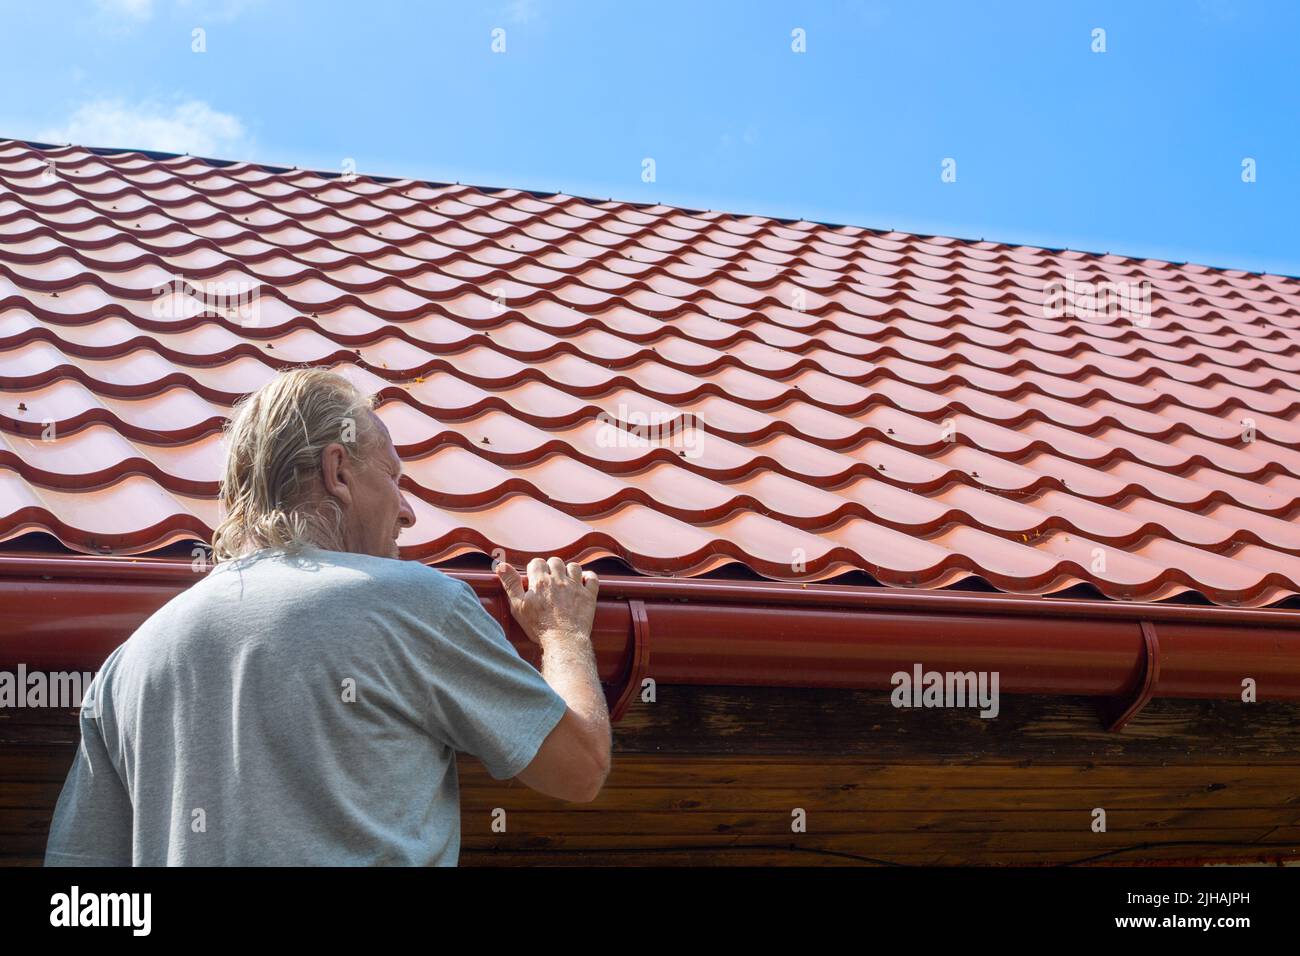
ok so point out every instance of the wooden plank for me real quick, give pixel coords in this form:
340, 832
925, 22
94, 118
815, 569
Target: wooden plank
781, 720
762, 856
833, 797
685, 771
886, 846
30, 844
53, 716
742, 856
776, 821
27, 794
39, 727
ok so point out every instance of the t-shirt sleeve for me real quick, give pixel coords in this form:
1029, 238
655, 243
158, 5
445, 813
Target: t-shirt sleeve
93, 817
484, 698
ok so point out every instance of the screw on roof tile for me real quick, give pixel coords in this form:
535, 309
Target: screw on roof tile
22, 407
485, 441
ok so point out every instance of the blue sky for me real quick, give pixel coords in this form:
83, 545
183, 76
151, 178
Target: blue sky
1136, 150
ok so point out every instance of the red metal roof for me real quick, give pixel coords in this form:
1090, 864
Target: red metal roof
876, 401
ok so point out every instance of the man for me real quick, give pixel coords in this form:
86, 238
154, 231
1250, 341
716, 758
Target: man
303, 703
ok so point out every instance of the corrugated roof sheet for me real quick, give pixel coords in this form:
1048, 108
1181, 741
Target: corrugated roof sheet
922, 409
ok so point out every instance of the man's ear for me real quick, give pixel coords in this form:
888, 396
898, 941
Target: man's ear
336, 472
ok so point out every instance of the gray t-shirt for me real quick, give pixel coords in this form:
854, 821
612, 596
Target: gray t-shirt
298, 710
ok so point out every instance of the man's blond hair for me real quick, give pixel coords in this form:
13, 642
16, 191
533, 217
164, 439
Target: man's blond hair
272, 492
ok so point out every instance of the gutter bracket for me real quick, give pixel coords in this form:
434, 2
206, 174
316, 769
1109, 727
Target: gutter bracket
638, 663
1115, 712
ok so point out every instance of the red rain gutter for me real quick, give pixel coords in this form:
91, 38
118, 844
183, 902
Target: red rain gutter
69, 613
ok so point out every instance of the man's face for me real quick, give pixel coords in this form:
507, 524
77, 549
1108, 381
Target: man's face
379, 510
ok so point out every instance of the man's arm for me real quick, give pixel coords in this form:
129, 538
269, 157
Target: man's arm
556, 612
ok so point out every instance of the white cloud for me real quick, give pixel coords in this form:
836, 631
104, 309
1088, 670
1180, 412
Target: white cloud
140, 10
189, 126
522, 11
131, 9
215, 10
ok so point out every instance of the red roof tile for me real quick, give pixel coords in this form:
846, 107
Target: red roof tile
895, 404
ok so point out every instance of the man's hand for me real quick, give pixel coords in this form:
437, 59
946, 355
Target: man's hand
560, 600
